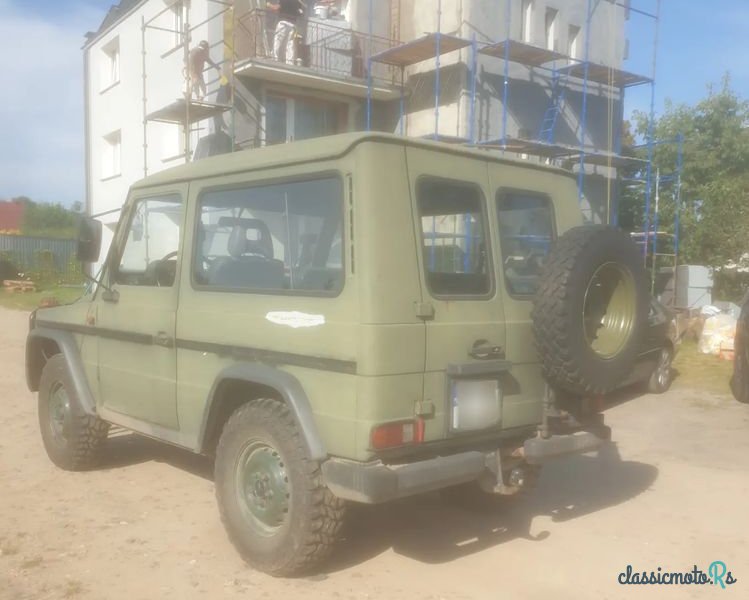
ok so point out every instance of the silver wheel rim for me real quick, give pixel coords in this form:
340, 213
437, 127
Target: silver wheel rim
262, 487
664, 368
59, 413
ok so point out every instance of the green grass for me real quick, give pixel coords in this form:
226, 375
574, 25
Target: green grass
30, 300
701, 371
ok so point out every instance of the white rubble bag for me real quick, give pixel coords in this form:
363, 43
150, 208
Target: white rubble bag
718, 332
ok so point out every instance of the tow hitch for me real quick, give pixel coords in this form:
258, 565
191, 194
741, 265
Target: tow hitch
508, 476
561, 433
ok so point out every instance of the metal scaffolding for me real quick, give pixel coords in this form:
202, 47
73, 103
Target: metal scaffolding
560, 69
185, 111
431, 46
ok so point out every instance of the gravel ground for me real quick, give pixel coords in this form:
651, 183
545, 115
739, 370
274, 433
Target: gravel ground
671, 492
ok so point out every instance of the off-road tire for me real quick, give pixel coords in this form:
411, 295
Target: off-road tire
568, 360
84, 436
314, 516
740, 377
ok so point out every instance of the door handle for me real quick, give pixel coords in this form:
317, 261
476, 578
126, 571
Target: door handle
163, 339
485, 350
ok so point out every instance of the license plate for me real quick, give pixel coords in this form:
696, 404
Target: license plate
476, 404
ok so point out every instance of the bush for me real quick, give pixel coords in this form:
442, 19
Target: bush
8, 269
730, 285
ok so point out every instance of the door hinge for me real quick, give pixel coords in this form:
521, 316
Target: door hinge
424, 310
425, 408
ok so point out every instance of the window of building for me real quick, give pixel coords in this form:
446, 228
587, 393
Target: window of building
173, 142
573, 42
526, 21
288, 119
110, 64
111, 156
281, 237
526, 231
454, 238
178, 21
149, 257
551, 28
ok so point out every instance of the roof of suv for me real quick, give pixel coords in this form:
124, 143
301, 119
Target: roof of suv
313, 150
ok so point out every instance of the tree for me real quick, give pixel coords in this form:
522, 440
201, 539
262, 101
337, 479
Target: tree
715, 177
47, 220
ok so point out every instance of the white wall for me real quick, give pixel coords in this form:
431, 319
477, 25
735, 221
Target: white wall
121, 106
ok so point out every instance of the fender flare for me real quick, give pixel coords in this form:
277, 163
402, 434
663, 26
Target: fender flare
69, 349
287, 386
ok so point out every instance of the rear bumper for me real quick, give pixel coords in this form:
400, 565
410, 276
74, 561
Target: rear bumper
375, 482
538, 450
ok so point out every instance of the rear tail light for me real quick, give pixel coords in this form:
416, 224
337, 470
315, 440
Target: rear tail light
392, 435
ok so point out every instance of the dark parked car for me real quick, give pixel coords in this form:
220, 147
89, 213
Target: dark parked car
740, 379
654, 365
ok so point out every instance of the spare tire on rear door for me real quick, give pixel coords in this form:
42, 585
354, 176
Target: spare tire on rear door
590, 311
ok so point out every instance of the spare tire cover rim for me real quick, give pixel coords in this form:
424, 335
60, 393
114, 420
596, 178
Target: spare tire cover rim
609, 309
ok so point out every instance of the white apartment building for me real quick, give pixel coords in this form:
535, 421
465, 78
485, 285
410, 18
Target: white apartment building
138, 121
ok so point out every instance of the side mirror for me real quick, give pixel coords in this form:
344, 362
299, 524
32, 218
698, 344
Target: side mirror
89, 240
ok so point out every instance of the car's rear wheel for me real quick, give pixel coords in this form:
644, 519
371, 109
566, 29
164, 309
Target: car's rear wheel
72, 439
278, 513
661, 378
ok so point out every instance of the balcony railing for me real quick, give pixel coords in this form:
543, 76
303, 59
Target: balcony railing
323, 47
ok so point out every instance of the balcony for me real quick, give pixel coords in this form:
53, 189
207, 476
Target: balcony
331, 57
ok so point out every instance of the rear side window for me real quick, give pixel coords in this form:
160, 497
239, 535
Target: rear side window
281, 237
526, 230
454, 238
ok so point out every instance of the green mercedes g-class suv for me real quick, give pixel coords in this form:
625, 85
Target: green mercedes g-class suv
356, 318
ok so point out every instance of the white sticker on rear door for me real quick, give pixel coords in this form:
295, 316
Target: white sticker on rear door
295, 319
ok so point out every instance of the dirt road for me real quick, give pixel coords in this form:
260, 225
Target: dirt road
672, 492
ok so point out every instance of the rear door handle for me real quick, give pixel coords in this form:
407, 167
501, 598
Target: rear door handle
163, 339
485, 350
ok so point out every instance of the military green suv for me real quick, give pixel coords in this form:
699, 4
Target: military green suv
356, 318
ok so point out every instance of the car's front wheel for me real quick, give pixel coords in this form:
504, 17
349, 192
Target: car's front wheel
278, 513
72, 439
661, 378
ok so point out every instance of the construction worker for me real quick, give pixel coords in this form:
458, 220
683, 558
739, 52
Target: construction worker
196, 65
284, 42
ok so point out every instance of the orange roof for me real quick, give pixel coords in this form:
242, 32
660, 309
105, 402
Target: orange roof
11, 215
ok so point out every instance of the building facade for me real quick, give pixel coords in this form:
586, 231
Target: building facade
356, 64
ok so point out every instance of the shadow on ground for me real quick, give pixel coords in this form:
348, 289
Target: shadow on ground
125, 449
429, 529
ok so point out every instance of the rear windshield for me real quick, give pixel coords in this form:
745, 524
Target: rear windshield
454, 238
526, 231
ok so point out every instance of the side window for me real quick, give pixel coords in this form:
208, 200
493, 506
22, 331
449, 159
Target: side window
454, 238
526, 230
149, 257
278, 237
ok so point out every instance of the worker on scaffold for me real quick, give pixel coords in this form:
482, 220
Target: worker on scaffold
284, 41
196, 62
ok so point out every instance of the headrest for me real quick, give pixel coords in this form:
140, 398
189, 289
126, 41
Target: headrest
239, 244
256, 224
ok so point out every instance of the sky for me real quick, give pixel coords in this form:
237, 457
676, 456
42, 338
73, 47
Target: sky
41, 110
